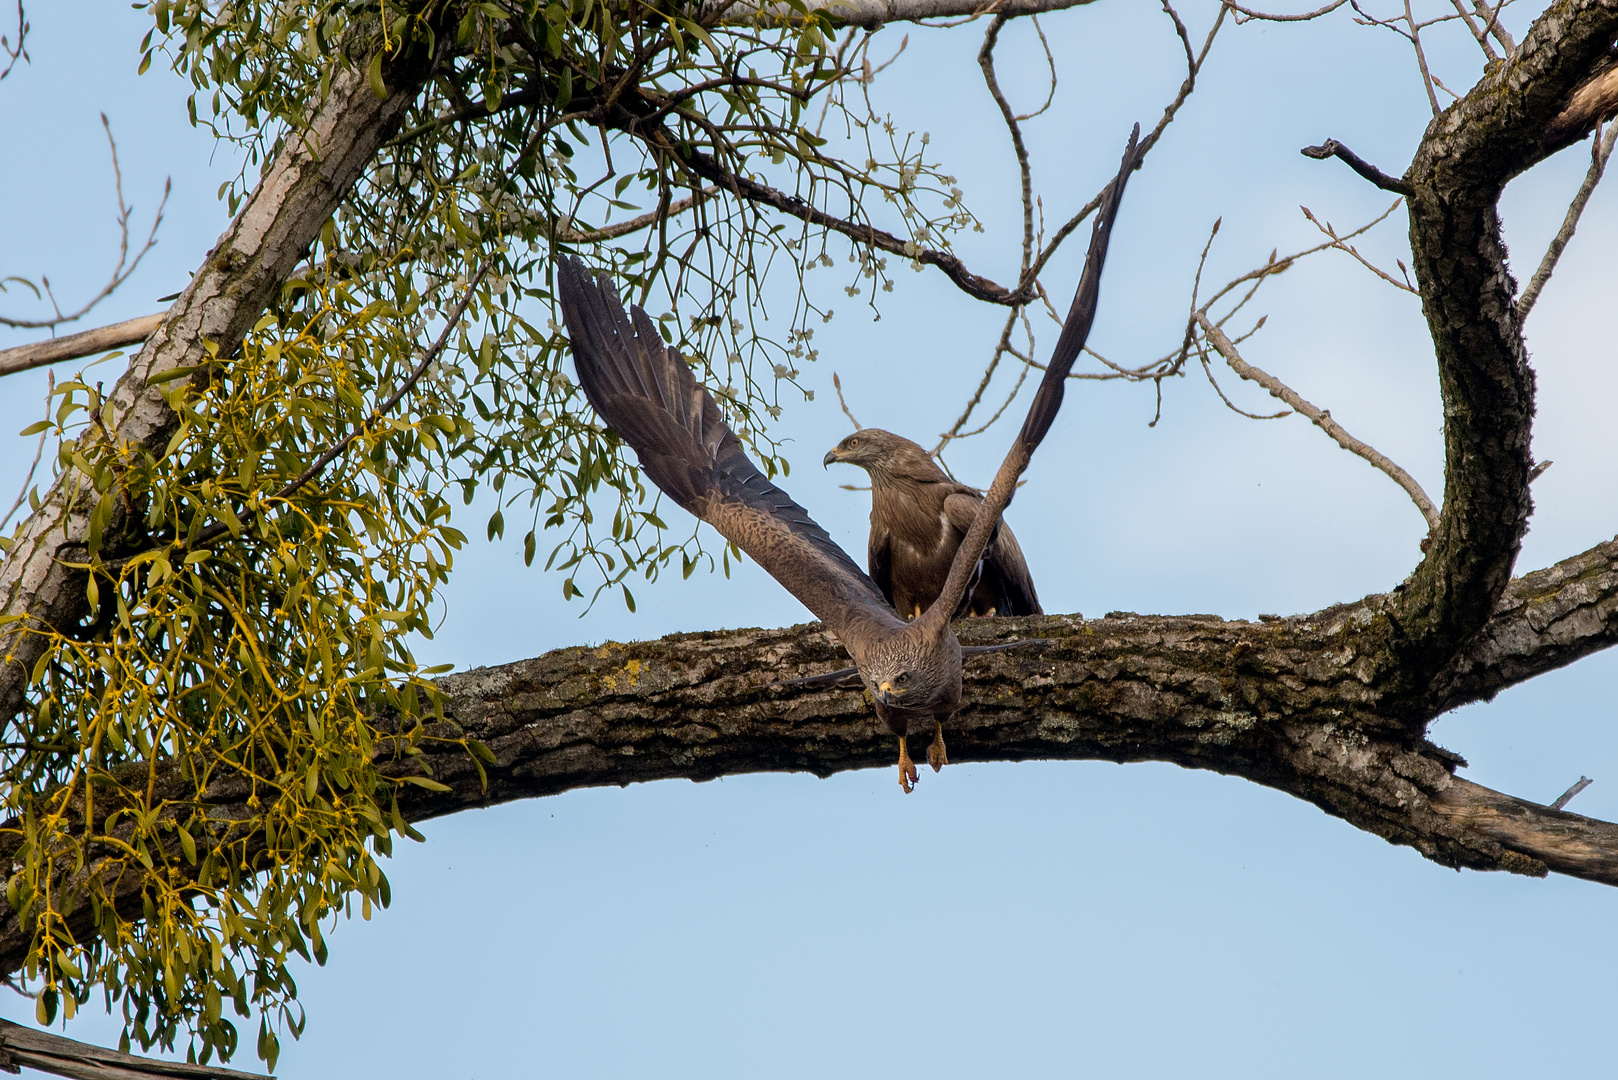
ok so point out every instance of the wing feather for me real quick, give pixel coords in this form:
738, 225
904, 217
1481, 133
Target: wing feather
646, 393
1047, 398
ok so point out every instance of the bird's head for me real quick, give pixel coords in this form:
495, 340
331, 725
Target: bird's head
914, 673
874, 450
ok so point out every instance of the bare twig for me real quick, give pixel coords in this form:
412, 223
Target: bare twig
1350, 249
1567, 796
1600, 152
986, 62
1242, 14
1481, 33
1421, 58
1050, 62
1491, 16
571, 234
837, 384
19, 50
125, 266
1321, 417
75, 346
1150, 140
1333, 148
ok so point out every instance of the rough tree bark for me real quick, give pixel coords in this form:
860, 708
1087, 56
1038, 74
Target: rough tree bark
1289, 703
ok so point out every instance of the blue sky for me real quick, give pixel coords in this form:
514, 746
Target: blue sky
1035, 919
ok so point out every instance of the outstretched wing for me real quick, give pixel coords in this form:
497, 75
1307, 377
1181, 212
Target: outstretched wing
646, 393
1047, 399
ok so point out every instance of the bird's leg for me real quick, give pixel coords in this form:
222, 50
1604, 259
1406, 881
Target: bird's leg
908, 776
935, 751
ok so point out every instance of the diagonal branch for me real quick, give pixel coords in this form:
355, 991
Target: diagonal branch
1600, 153
1321, 418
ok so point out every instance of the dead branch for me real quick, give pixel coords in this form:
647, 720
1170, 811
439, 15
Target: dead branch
1600, 154
1339, 244
1567, 796
77, 346
837, 384
1593, 102
1333, 148
1321, 418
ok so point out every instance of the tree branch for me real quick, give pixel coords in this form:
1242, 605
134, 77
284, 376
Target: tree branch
1321, 418
1289, 703
1600, 152
1333, 148
75, 346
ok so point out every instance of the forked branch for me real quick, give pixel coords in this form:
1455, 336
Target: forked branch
120, 273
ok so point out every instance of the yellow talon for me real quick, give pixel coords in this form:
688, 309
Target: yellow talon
935, 751
908, 776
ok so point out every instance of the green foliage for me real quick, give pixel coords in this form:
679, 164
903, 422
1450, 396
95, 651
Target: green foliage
265, 663
272, 658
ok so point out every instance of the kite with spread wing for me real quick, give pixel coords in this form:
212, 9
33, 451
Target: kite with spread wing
648, 395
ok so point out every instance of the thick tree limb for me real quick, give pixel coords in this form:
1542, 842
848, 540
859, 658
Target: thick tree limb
1289, 703
1594, 101
1545, 620
75, 346
269, 237
1463, 163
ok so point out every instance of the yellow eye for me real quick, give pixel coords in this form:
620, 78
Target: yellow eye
852, 443
904, 676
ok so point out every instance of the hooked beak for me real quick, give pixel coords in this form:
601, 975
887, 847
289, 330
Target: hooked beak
831, 456
887, 695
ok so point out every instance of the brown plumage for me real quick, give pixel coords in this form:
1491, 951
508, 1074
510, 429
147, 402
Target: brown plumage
918, 518
647, 394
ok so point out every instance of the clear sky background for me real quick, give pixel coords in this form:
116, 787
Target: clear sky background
1064, 919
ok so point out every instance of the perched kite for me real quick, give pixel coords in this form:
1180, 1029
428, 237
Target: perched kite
918, 518
646, 393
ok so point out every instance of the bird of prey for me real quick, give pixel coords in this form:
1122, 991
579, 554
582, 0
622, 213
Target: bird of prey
648, 395
918, 518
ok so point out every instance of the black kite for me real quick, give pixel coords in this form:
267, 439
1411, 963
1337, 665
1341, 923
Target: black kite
919, 516
646, 393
